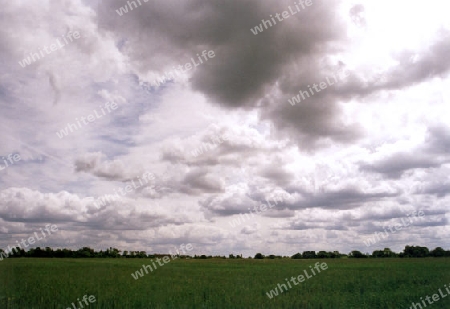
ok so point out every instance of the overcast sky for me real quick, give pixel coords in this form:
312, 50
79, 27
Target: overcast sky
368, 148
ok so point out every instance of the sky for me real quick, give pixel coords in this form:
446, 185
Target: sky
173, 123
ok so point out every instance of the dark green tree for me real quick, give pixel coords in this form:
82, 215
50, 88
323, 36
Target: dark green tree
259, 256
309, 254
416, 251
378, 254
357, 254
323, 255
438, 252
297, 256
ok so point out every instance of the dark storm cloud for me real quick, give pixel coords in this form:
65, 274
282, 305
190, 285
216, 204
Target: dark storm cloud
292, 53
252, 63
316, 120
315, 123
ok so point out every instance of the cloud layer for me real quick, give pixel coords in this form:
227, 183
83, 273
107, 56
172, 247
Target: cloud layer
350, 157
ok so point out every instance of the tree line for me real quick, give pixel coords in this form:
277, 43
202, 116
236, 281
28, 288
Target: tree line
408, 252
86, 252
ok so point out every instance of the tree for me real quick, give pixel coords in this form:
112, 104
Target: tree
3, 254
438, 252
378, 254
85, 252
49, 252
112, 252
38, 252
357, 254
416, 251
141, 254
259, 256
323, 255
296, 256
388, 253
17, 252
309, 254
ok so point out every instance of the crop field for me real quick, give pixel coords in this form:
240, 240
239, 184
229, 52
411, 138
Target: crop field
216, 283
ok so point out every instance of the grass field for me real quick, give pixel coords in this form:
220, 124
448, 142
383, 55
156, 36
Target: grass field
347, 283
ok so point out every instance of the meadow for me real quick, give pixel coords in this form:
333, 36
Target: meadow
217, 283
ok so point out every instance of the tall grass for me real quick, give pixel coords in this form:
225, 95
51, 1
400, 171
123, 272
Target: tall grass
347, 283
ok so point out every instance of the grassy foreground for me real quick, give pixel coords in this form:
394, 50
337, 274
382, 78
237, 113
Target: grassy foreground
347, 283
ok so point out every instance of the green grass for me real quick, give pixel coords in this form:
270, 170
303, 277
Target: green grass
347, 283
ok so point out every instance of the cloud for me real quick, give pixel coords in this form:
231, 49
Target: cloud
397, 164
96, 164
345, 198
223, 138
357, 15
199, 181
433, 153
246, 67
